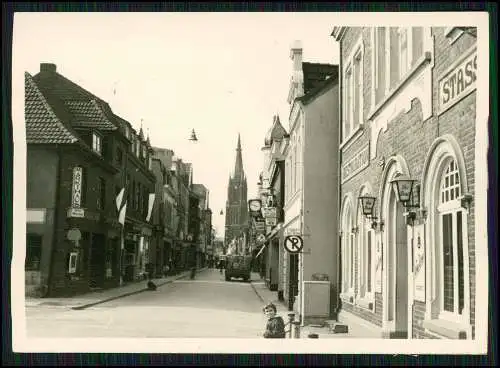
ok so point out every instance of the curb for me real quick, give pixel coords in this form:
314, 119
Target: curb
256, 292
85, 306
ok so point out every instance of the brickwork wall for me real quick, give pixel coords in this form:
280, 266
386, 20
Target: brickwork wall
411, 137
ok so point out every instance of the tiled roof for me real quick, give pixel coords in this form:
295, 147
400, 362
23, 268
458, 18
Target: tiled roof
42, 125
80, 107
315, 74
88, 114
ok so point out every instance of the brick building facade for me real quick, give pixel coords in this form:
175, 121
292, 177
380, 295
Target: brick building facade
408, 111
80, 155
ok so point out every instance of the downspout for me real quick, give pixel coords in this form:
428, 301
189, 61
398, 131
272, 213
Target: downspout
339, 191
47, 289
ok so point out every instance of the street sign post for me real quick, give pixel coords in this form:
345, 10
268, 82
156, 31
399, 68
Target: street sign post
293, 243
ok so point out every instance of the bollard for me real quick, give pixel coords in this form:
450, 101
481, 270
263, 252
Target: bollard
296, 329
291, 318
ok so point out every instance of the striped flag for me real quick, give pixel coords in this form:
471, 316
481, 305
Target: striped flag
151, 201
121, 215
119, 199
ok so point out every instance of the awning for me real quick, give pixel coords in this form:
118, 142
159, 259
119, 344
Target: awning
271, 235
276, 229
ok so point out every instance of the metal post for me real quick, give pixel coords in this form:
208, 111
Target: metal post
297, 329
291, 318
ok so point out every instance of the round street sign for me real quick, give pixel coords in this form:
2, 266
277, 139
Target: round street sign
74, 234
293, 243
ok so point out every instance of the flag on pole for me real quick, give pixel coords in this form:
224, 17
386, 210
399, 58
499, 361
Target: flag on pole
151, 201
119, 199
121, 215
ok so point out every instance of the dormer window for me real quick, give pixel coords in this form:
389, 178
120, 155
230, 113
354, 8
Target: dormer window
97, 143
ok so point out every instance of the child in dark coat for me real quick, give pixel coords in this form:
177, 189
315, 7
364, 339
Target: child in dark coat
275, 327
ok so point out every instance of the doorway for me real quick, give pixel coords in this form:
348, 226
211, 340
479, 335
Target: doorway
293, 278
97, 261
398, 270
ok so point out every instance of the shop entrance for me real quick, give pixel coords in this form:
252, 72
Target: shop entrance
293, 277
97, 260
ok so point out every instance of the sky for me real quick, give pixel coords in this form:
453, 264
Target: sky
221, 74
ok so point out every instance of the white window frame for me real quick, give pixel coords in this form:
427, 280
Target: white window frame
348, 103
364, 298
97, 142
348, 244
452, 207
405, 71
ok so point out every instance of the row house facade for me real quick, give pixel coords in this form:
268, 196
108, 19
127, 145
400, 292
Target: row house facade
407, 158
166, 211
204, 239
302, 168
78, 158
272, 185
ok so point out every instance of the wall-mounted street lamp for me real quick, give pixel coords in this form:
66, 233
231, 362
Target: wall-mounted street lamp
408, 193
368, 206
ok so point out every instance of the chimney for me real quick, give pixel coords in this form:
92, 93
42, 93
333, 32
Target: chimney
296, 55
47, 68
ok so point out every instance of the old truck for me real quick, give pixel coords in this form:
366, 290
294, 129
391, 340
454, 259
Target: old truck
238, 266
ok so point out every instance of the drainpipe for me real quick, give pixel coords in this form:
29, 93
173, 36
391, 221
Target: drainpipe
57, 212
339, 191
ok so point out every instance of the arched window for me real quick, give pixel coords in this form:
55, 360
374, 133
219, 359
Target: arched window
452, 235
348, 245
366, 252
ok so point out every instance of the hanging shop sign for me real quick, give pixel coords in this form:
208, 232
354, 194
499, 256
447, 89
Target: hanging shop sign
271, 221
76, 194
269, 212
254, 207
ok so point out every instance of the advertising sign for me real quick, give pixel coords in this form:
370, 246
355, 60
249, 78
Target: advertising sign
271, 221
378, 263
419, 262
269, 212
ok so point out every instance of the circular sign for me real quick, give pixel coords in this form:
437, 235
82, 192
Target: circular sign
293, 243
261, 238
74, 234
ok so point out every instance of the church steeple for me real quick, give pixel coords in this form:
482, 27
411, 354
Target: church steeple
238, 166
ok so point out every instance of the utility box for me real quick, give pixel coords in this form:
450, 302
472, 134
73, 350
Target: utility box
316, 302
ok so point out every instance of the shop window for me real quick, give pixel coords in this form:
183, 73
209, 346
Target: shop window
33, 252
97, 143
452, 235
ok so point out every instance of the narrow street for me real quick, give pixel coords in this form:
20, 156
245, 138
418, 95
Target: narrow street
207, 306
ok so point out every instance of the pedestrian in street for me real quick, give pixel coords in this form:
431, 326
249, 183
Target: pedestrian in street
275, 327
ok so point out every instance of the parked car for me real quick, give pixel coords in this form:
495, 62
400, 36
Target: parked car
238, 266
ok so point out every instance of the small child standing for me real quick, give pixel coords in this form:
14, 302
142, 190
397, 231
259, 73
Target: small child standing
275, 327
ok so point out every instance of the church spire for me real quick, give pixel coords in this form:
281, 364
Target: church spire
238, 166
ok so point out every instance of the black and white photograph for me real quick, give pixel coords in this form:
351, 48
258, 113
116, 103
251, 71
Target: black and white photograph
208, 182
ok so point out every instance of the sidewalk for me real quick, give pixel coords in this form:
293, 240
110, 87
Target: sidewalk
356, 329
101, 296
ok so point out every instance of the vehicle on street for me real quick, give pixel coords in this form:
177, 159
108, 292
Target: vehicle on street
238, 266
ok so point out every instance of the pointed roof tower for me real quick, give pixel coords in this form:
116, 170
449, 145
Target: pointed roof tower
238, 166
